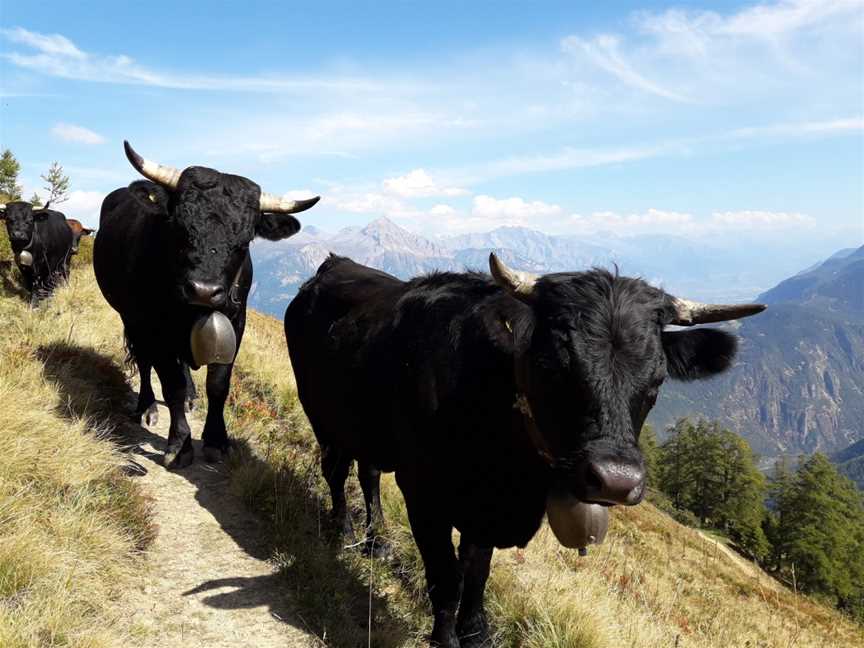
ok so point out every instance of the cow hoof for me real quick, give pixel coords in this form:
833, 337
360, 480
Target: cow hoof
379, 549
474, 633
215, 454
175, 460
151, 416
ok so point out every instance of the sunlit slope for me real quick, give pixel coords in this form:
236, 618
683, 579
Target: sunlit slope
653, 583
72, 524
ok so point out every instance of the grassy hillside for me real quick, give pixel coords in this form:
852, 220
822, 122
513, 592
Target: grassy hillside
72, 524
654, 583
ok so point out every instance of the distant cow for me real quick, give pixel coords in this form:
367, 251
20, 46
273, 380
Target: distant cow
78, 230
170, 253
42, 245
486, 394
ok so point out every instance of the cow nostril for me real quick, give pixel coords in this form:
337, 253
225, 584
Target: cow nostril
217, 297
614, 482
593, 479
201, 294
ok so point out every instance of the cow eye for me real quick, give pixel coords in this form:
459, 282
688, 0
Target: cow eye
212, 250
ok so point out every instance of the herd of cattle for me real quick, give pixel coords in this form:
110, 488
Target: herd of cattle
495, 398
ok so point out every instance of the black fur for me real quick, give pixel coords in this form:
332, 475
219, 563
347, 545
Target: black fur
43, 233
421, 377
154, 246
698, 353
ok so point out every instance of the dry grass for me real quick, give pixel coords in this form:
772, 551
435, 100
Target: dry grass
655, 583
71, 523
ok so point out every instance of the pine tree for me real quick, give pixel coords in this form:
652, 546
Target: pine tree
651, 454
9, 168
776, 524
825, 528
58, 184
35, 200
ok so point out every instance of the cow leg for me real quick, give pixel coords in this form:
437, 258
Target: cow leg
191, 391
215, 436
178, 451
471, 624
146, 398
370, 482
443, 574
336, 465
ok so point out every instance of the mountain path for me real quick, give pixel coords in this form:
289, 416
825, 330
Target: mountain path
207, 581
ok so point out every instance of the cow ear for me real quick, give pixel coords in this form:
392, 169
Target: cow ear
40, 214
152, 198
275, 227
698, 353
509, 329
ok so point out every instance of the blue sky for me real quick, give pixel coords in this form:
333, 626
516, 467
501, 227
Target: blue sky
729, 122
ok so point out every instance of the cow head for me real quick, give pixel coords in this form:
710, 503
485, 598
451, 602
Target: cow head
211, 218
591, 354
21, 220
78, 230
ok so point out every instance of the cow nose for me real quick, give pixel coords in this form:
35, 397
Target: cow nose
205, 294
614, 482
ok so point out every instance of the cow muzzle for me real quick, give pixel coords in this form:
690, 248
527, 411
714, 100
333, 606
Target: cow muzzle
25, 258
610, 482
205, 294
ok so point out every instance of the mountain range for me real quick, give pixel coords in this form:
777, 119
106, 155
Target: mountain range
696, 270
798, 384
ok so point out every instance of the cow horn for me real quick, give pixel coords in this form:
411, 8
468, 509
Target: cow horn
688, 313
166, 176
517, 283
274, 204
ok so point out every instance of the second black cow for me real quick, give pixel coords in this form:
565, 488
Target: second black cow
489, 397
42, 245
172, 258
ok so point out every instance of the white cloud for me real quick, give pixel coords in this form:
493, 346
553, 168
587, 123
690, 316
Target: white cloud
603, 51
46, 43
658, 221
55, 55
761, 220
512, 209
84, 206
419, 184
73, 133
365, 203
442, 210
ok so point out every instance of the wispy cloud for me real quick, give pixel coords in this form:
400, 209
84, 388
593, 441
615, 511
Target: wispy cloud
57, 56
603, 51
73, 133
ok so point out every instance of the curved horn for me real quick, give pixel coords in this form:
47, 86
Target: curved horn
166, 176
517, 283
276, 205
688, 313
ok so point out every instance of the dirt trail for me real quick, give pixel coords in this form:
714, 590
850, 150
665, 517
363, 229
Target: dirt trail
208, 583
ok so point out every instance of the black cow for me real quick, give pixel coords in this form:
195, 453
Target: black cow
171, 253
42, 244
484, 395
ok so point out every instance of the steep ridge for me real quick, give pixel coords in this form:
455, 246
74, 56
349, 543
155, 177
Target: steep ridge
798, 385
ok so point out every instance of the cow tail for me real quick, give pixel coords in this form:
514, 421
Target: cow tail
130, 362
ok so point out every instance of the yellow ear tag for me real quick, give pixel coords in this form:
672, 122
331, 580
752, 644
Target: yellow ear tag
152, 197
507, 324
